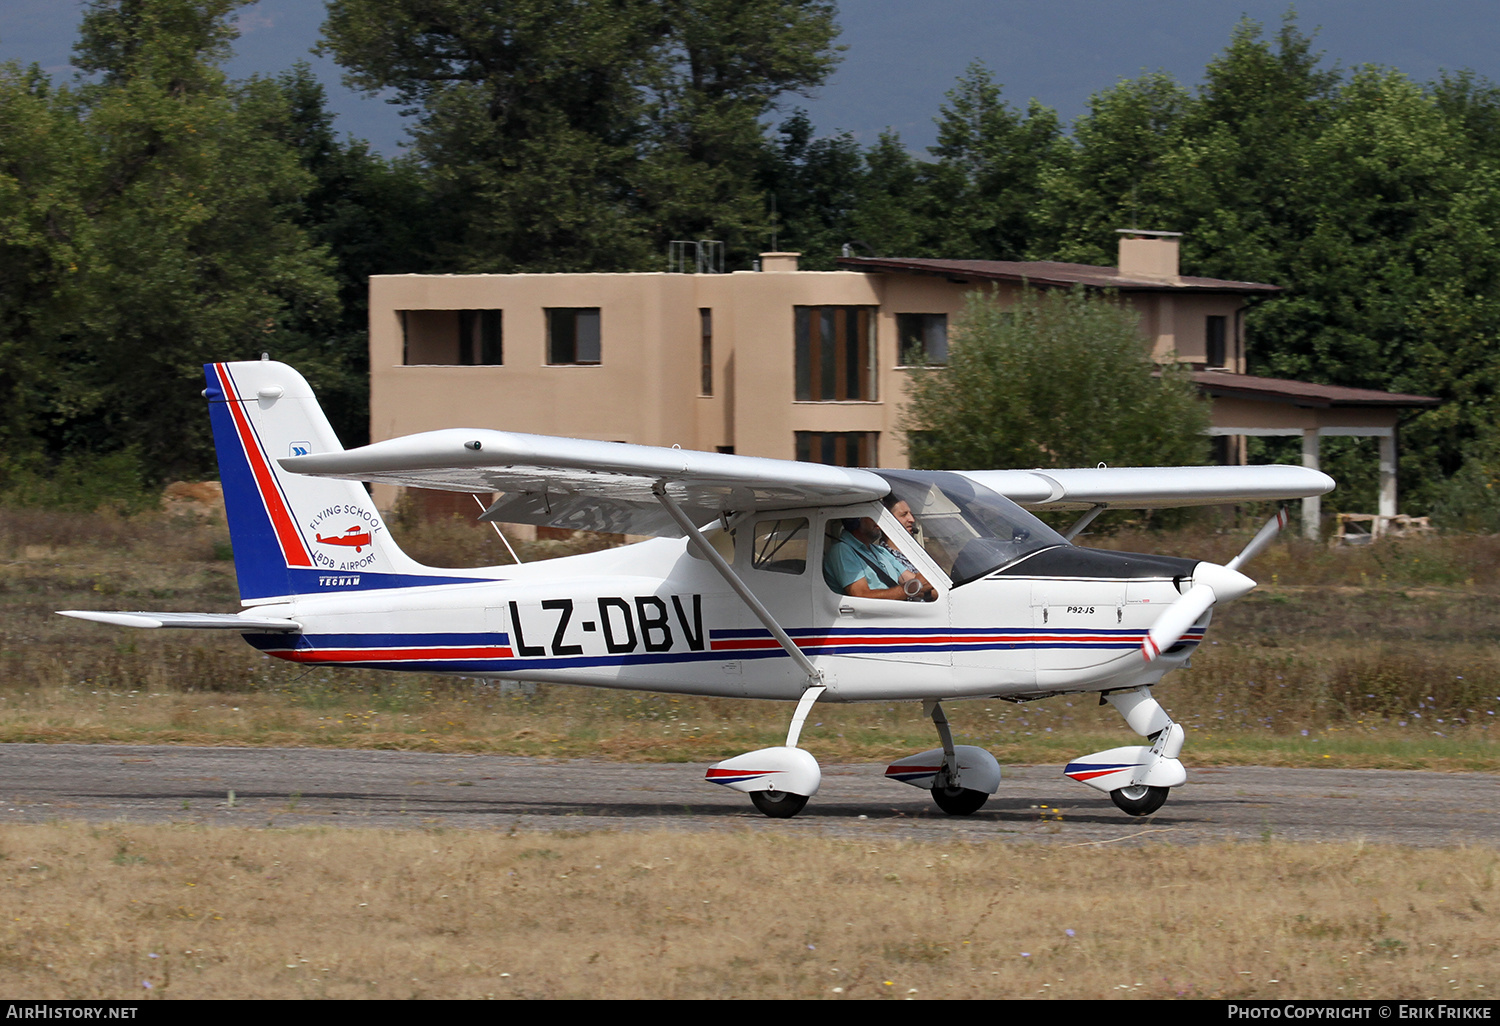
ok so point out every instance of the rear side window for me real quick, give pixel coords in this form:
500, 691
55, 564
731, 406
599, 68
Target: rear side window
780, 546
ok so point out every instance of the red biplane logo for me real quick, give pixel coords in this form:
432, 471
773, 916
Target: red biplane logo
354, 536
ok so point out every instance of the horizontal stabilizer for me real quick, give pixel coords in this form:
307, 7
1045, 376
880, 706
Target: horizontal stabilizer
197, 621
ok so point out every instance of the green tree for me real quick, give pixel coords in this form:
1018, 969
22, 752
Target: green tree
990, 163
372, 215
814, 184
584, 134
527, 117
170, 239
196, 254
1122, 172
1056, 379
893, 196
43, 217
1367, 197
717, 75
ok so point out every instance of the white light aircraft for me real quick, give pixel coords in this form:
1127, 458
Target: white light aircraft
730, 597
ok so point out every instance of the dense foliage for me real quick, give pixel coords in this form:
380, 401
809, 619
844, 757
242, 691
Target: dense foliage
154, 214
1055, 379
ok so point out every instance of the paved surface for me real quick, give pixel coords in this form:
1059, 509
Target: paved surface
286, 787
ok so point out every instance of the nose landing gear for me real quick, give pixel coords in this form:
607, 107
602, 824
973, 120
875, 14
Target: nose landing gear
1137, 779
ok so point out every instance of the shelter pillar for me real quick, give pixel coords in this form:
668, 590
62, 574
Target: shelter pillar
1387, 506
1312, 506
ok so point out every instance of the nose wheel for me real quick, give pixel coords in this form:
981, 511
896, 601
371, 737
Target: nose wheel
959, 801
778, 804
1138, 799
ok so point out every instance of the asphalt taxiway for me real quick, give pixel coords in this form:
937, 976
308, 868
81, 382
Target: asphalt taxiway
286, 787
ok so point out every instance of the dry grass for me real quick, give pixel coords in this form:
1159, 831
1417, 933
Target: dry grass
123, 912
1378, 657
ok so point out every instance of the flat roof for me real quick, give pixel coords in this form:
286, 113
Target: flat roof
1301, 393
1048, 272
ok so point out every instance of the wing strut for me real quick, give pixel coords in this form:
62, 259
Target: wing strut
1084, 521
814, 675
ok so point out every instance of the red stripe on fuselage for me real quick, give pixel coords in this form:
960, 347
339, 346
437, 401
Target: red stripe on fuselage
389, 655
932, 640
265, 482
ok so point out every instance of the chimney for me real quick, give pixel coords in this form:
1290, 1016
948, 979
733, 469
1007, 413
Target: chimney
779, 261
1148, 255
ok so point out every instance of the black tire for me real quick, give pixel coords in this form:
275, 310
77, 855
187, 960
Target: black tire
959, 801
1139, 800
778, 804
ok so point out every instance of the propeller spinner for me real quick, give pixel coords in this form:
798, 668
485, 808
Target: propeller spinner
1211, 583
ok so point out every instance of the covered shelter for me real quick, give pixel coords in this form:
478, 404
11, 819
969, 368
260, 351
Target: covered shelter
1244, 405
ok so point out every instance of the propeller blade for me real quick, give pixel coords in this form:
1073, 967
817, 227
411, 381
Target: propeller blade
1175, 621
1262, 538
1211, 583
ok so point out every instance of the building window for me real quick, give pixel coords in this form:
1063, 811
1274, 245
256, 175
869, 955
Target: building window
838, 448
923, 339
451, 337
1221, 450
835, 353
1213, 342
573, 335
479, 337
706, 352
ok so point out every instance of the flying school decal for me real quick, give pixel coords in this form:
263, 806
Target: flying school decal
349, 544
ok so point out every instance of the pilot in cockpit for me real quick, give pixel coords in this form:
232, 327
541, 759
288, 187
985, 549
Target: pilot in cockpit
862, 563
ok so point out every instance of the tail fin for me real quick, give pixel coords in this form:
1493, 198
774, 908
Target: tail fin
292, 534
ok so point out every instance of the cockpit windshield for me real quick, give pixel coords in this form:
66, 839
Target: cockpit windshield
965, 527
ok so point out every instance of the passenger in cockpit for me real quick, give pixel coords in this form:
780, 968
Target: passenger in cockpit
859, 565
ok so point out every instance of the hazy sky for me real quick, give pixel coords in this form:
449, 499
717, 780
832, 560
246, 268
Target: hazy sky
902, 57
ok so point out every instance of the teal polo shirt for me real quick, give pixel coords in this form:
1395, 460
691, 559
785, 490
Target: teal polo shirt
849, 559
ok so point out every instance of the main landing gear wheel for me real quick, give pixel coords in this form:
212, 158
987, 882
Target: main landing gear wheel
778, 804
1138, 799
959, 801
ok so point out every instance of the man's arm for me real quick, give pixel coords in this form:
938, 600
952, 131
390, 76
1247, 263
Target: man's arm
861, 589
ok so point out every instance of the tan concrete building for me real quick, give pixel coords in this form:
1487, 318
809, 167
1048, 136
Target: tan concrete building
777, 362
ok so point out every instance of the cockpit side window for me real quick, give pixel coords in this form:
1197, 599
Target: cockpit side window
967, 529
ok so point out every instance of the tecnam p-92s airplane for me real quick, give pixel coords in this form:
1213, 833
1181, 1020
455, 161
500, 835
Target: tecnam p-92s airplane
753, 583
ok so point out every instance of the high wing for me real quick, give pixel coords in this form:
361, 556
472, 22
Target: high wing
1152, 487
608, 486
588, 485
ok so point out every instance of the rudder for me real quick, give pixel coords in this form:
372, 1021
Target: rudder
294, 534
